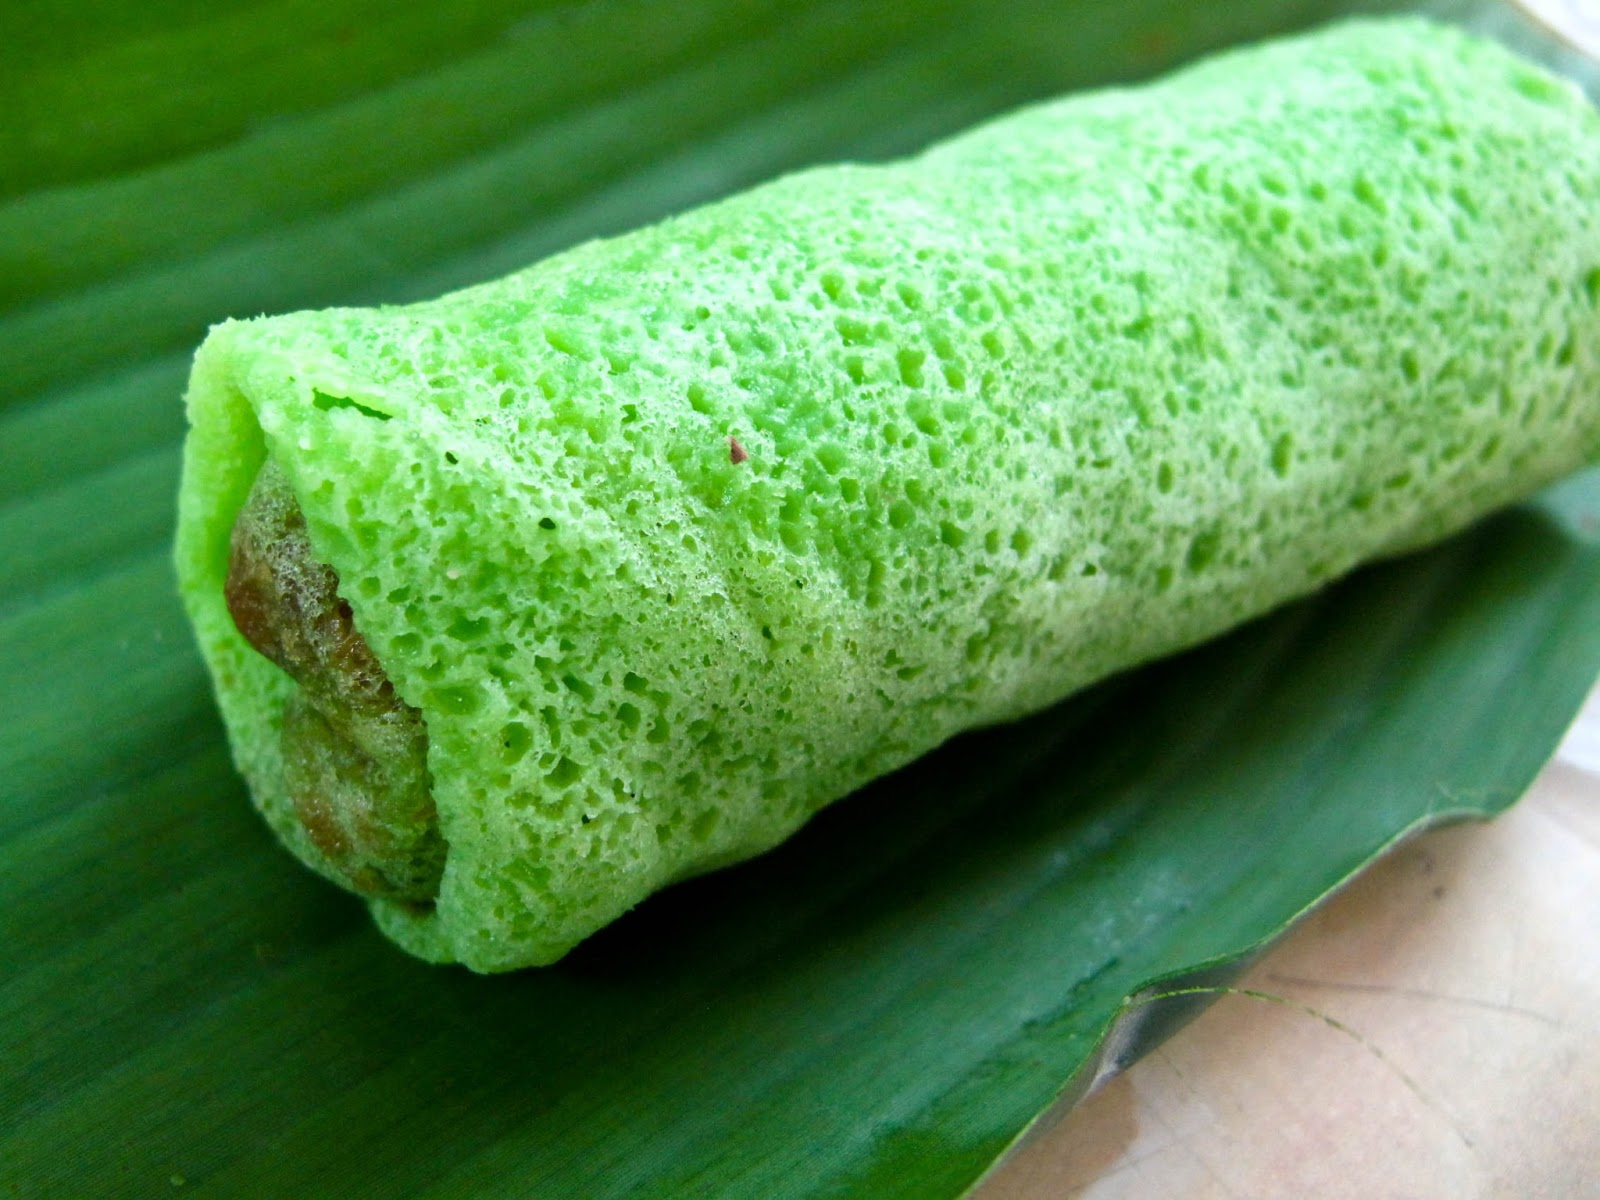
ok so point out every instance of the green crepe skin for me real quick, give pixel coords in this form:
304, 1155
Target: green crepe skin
1068, 392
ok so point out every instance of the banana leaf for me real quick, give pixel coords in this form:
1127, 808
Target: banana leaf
878, 1008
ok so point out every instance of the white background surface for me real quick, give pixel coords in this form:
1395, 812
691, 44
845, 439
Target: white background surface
1435, 1032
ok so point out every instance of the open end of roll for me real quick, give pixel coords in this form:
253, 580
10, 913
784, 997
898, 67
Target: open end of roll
354, 753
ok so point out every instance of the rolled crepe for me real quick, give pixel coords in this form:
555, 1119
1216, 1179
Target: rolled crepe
666, 542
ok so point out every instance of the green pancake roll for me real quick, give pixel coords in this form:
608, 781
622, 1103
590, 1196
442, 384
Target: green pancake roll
525, 602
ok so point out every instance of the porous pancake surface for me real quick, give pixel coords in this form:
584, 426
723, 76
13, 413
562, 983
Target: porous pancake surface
1068, 392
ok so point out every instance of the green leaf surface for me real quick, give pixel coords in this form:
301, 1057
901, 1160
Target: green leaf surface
875, 1009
